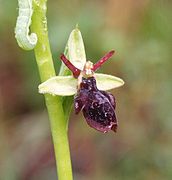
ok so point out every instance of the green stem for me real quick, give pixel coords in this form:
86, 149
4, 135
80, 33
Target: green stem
53, 103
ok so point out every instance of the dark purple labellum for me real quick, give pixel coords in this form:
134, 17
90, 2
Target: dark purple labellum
98, 107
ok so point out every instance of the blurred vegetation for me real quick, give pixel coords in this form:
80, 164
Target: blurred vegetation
140, 32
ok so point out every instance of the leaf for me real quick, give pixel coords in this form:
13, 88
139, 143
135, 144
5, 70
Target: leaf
67, 85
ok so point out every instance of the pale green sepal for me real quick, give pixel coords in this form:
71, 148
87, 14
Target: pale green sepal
67, 85
107, 82
76, 50
59, 85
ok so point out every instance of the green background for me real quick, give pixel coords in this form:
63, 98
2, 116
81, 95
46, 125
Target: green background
141, 33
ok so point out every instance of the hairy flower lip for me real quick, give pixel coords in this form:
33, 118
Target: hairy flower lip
98, 107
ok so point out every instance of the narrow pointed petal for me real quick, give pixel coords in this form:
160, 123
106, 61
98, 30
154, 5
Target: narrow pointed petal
103, 60
74, 70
